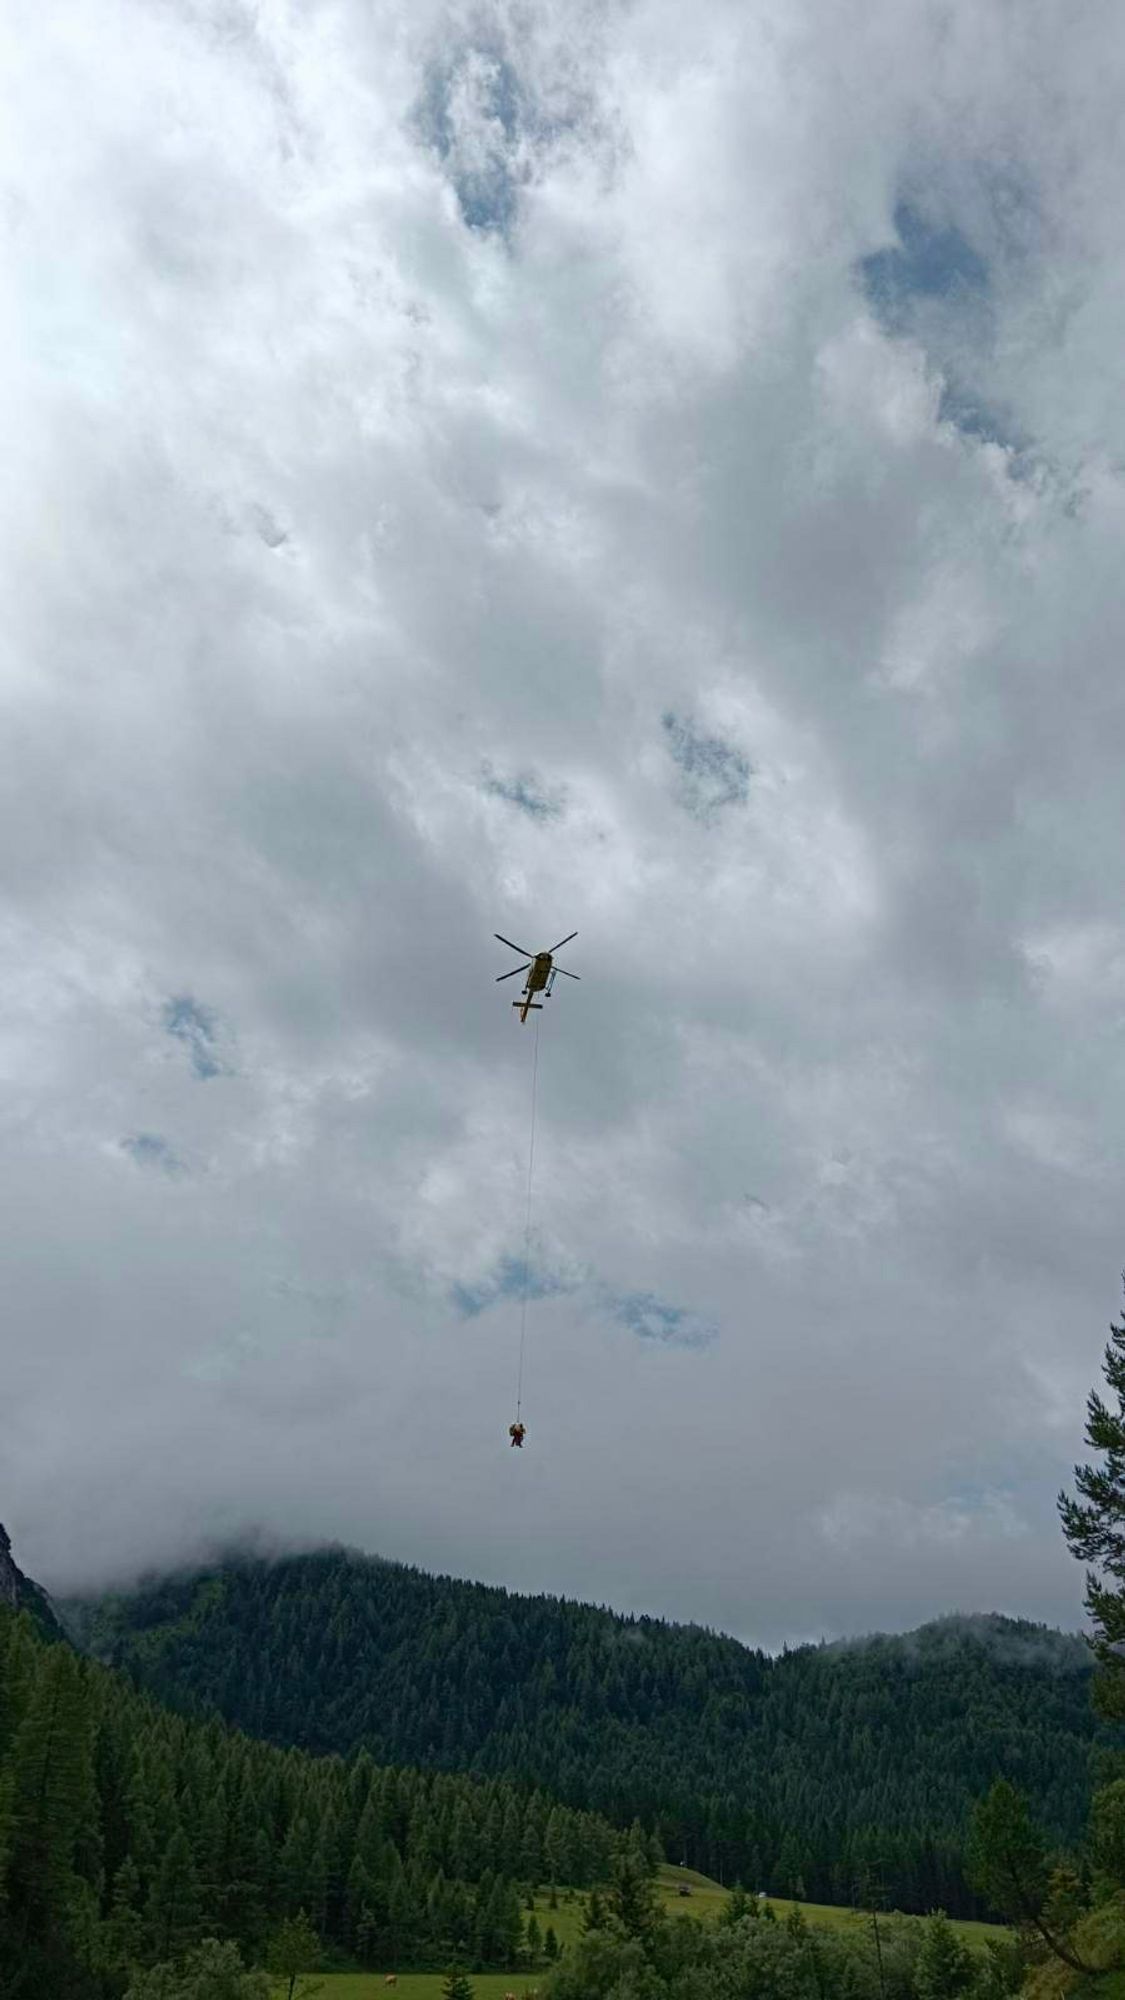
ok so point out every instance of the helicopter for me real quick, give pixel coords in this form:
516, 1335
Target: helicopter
541, 973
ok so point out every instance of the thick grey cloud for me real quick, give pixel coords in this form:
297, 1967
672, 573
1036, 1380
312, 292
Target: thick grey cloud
525, 468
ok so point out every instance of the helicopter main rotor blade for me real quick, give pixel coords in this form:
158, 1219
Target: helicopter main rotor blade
566, 974
513, 972
521, 948
559, 946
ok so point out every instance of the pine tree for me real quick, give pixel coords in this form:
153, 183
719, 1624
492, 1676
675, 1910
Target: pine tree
555, 1848
594, 1914
19, 1661
295, 1864
51, 1798
632, 1896
944, 1966
125, 1925
505, 1924
456, 1986
140, 1814
464, 1844
359, 1897
1007, 1862
736, 1907
1094, 1526
174, 1906
403, 1918
366, 1935
6, 1834
787, 1875
1107, 1832
292, 1952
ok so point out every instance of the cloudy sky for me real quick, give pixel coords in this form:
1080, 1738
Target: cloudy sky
651, 470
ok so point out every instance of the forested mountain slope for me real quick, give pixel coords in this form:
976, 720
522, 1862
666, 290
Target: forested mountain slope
127, 1833
802, 1774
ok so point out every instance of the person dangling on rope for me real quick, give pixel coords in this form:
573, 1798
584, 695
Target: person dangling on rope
517, 1432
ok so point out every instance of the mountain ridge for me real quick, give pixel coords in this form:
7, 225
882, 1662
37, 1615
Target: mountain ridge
1073, 1649
804, 1771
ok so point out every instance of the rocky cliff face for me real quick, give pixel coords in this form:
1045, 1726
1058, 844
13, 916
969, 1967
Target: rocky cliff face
19, 1593
10, 1577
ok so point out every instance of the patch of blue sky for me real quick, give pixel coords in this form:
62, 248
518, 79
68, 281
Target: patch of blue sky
197, 1028
934, 286
523, 791
644, 1314
930, 261
975, 417
149, 1150
714, 773
506, 1281
652, 1318
489, 126
471, 113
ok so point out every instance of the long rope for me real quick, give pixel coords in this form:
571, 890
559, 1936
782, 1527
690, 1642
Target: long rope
527, 1224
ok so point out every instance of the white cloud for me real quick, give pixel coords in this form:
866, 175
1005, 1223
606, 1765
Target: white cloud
890, 1523
357, 540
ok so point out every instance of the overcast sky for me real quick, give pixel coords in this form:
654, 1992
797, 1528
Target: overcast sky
646, 469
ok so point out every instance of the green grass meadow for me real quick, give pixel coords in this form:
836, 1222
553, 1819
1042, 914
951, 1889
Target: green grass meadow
417, 1985
705, 1901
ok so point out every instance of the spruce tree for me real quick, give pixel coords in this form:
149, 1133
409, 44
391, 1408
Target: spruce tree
51, 1799
1094, 1526
736, 1907
944, 1966
505, 1923
295, 1865
292, 1953
1008, 1864
594, 1913
632, 1896
174, 1907
125, 1925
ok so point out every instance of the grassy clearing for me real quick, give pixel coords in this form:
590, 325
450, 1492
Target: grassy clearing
707, 1899
705, 1902
416, 1985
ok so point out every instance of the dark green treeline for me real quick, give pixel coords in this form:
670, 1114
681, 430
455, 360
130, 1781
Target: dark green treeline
807, 1774
127, 1833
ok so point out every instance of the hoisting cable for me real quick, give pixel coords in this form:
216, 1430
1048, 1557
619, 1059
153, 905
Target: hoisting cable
527, 1223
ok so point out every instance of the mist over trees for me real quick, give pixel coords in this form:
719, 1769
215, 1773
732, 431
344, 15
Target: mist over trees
802, 1775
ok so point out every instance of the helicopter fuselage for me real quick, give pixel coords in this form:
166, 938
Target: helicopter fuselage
537, 981
540, 973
